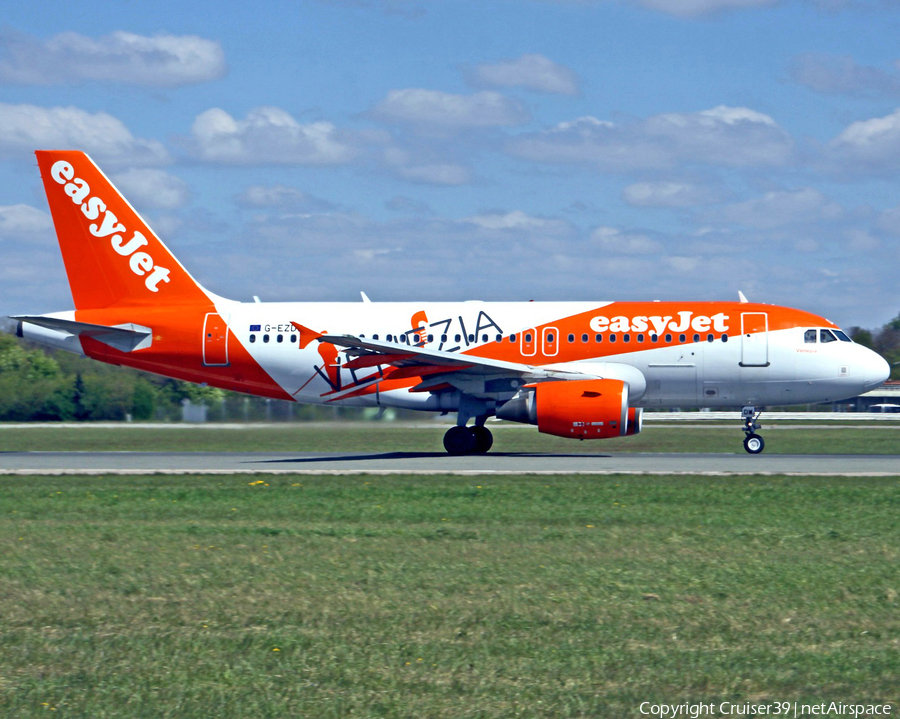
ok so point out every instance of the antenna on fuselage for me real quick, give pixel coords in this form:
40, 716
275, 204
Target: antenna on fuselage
365, 297
741, 297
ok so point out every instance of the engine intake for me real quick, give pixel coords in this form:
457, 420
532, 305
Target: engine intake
580, 409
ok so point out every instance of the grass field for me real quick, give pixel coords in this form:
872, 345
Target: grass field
387, 437
443, 596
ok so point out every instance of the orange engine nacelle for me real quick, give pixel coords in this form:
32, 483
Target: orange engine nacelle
580, 409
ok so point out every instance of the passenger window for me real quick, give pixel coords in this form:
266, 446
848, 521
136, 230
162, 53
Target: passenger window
709, 338
252, 338
654, 338
570, 338
293, 338
640, 338
280, 339
612, 338
390, 338
484, 338
457, 338
471, 339
668, 338
598, 338
626, 338
696, 338
681, 338
374, 337
584, 338
809, 337
499, 338
512, 338
265, 338
550, 338
826, 336
430, 338
416, 338
527, 337
724, 338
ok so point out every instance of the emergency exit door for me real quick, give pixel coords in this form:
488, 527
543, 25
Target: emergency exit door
754, 339
215, 340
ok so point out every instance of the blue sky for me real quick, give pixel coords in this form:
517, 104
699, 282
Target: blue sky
497, 150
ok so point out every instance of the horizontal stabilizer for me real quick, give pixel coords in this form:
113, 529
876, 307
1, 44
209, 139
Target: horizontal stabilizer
125, 338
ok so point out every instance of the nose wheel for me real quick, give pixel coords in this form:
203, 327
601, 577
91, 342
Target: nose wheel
753, 443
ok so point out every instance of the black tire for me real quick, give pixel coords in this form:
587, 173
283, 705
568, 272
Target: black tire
459, 440
484, 440
754, 444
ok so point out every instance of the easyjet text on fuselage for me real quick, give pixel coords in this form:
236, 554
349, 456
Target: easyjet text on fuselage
679, 322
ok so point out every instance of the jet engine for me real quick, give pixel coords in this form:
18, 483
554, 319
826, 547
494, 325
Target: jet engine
580, 409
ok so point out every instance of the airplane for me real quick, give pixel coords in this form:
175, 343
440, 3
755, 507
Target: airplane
583, 370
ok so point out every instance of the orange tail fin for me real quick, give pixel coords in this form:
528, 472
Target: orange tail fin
112, 257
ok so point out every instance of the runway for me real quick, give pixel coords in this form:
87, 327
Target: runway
425, 463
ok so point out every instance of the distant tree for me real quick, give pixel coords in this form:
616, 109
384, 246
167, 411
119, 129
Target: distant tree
861, 336
80, 411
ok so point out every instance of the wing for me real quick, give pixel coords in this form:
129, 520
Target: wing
439, 371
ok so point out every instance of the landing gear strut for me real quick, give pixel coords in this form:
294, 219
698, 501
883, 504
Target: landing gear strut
753, 443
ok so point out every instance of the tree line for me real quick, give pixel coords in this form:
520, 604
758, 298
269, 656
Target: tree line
43, 384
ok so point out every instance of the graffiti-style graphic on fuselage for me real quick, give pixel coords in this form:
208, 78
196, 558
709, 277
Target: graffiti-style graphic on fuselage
445, 332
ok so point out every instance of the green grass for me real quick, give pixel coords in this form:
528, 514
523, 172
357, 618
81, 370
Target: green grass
443, 596
371, 437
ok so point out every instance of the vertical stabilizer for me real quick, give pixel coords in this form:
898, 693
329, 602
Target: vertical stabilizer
112, 257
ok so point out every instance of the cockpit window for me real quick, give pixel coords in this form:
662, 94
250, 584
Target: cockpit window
842, 337
809, 337
826, 336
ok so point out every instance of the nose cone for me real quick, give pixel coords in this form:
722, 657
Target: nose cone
875, 370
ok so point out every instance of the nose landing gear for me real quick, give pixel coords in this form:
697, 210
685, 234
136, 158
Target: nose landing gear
753, 443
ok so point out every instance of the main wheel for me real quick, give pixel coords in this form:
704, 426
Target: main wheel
459, 440
484, 440
754, 444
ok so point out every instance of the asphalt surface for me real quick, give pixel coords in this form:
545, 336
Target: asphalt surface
12, 463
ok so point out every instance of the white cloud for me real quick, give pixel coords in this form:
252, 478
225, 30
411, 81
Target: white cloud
722, 136
868, 145
283, 198
443, 110
841, 75
889, 222
520, 222
670, 194
19, 222
158, 61
531, 71
268, 135
152, 188
691, 8
437, 174
26, 128
614, 241
777, 209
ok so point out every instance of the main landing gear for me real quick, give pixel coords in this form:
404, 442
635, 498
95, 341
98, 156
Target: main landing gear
753, 443
468, 440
